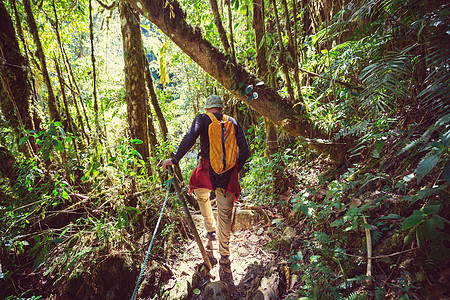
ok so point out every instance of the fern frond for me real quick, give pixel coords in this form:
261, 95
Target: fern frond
385, 80
356, 296
436, 93
323, 238
355, 130
442, 121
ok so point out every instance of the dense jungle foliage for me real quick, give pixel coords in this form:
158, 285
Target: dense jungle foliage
346, 109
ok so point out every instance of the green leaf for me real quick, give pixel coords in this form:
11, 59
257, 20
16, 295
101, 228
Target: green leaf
408, 239
58, 240
366, 226
429, 229
243, 10
420, 239
55, 143
137, 141
447, 170
431, 209
438, 221
61, 130
391, 216
145, 26
425, 166
446, 138
261, 43
196, 291
408, 178
278, 222
241, 84
337, 223
23, 140
378, 147
413, 220
39, 259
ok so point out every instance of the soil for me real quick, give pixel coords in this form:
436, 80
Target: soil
248, 260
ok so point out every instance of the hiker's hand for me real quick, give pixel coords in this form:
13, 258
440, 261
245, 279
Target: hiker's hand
167, 162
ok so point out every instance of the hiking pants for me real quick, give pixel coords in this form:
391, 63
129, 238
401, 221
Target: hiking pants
225, 203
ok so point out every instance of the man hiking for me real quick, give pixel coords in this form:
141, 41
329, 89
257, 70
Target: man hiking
224, 150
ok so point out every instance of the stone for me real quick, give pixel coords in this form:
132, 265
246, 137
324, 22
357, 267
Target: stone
179, 291
243, 252
268, 289
245, 219
217, 290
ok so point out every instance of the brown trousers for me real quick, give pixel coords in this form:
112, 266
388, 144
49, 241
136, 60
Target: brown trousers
225, 202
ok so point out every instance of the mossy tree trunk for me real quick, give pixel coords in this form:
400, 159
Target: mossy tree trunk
14, 84
52, 104
98, 130
269, 103
281, 56
154, 100
135, 92
261, 62
219, 25
292, 48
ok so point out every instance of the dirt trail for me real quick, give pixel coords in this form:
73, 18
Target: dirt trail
248, 256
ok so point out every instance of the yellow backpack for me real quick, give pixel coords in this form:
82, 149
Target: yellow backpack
222, 144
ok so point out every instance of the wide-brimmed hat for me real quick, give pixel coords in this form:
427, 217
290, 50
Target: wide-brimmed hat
213, 101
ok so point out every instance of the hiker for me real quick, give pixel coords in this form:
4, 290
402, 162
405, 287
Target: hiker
207, 177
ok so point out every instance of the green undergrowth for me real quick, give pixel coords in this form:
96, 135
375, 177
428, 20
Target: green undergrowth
397, 190
82, 221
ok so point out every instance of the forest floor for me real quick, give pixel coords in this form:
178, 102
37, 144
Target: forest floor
249, 258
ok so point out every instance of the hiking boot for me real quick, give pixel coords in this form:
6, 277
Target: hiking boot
224, 260
211, 236
225, 270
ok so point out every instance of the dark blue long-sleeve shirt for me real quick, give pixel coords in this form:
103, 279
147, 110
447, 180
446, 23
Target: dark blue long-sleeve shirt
199, 127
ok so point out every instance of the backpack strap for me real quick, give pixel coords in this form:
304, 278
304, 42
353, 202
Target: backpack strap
212, 117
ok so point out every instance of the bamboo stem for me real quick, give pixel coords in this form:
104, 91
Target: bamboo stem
369, 249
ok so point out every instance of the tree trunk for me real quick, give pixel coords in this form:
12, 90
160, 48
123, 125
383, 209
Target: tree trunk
220, 29
258, 26
230, 27
282, 58
34, 125
135, 92
261, 61
292, 49
98, 131
62, 81
51, 101
154, 101
69, 126
14, 87
268, 103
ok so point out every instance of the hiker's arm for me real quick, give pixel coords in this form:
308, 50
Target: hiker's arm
188, 140
243, 147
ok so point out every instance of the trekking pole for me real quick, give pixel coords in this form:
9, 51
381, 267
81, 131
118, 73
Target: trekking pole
190, 221
169, 184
